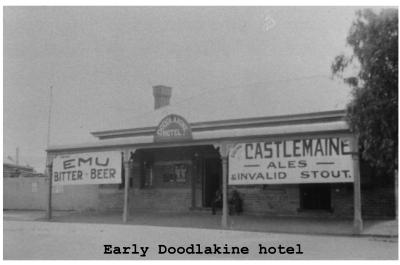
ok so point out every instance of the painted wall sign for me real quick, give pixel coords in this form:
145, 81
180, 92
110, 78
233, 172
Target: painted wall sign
87, 168
309, 160
173, 128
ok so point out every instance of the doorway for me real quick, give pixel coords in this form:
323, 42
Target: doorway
212, 179
315, 197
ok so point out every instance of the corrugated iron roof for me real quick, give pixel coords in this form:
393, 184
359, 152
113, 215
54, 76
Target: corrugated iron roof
198, 137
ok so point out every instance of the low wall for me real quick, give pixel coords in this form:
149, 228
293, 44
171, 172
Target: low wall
31, 194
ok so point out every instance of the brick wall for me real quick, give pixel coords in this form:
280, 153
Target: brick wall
170, 200
285, 200
76, 197
112, 199
377, 202
272, 199
342, 200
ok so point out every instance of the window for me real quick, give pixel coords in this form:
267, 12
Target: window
148, 178
146, 175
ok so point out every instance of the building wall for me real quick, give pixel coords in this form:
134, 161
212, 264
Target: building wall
169, 200
342, 200
285, 200
273, 199
31, 194
11, 171
77, 197
257, 200
164, 195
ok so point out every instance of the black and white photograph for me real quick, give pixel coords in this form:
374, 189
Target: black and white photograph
247, 132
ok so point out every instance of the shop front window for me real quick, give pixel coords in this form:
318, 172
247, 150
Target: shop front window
148, 180
146, 175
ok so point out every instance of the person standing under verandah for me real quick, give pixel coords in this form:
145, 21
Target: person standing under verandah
217, 201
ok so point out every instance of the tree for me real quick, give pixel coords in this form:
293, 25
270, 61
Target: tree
373, 112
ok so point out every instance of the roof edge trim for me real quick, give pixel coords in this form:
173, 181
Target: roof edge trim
232, 123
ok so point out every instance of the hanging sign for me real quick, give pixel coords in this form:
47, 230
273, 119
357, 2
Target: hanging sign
87, 168
173, 128
309, 160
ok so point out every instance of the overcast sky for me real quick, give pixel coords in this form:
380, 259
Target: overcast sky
102, 62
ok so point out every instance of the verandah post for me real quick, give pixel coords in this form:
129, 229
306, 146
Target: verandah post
223, 149
49, 195
128, 163
224, 221
396, 195
193, 180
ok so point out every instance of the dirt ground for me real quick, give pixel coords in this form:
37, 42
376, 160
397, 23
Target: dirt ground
27, 239
276, 224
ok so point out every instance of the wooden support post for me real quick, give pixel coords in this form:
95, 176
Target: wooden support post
358, 222
396, 195
224, 221
193, 180
223, 149
49, 195
126, 191
128, 163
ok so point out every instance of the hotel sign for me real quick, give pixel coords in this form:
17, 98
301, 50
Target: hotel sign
173, 128
308, 160
87, 168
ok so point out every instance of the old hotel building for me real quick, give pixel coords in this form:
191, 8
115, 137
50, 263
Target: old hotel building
176, 157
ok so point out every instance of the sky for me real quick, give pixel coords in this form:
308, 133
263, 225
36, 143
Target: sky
103, 61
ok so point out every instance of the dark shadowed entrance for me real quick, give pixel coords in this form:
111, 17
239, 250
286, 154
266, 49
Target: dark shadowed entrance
212, 179
315, 196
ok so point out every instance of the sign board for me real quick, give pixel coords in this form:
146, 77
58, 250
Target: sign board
173, 128
87, 168
309, 160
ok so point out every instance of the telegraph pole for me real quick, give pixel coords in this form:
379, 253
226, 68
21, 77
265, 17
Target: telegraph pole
49, 163
49, 118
